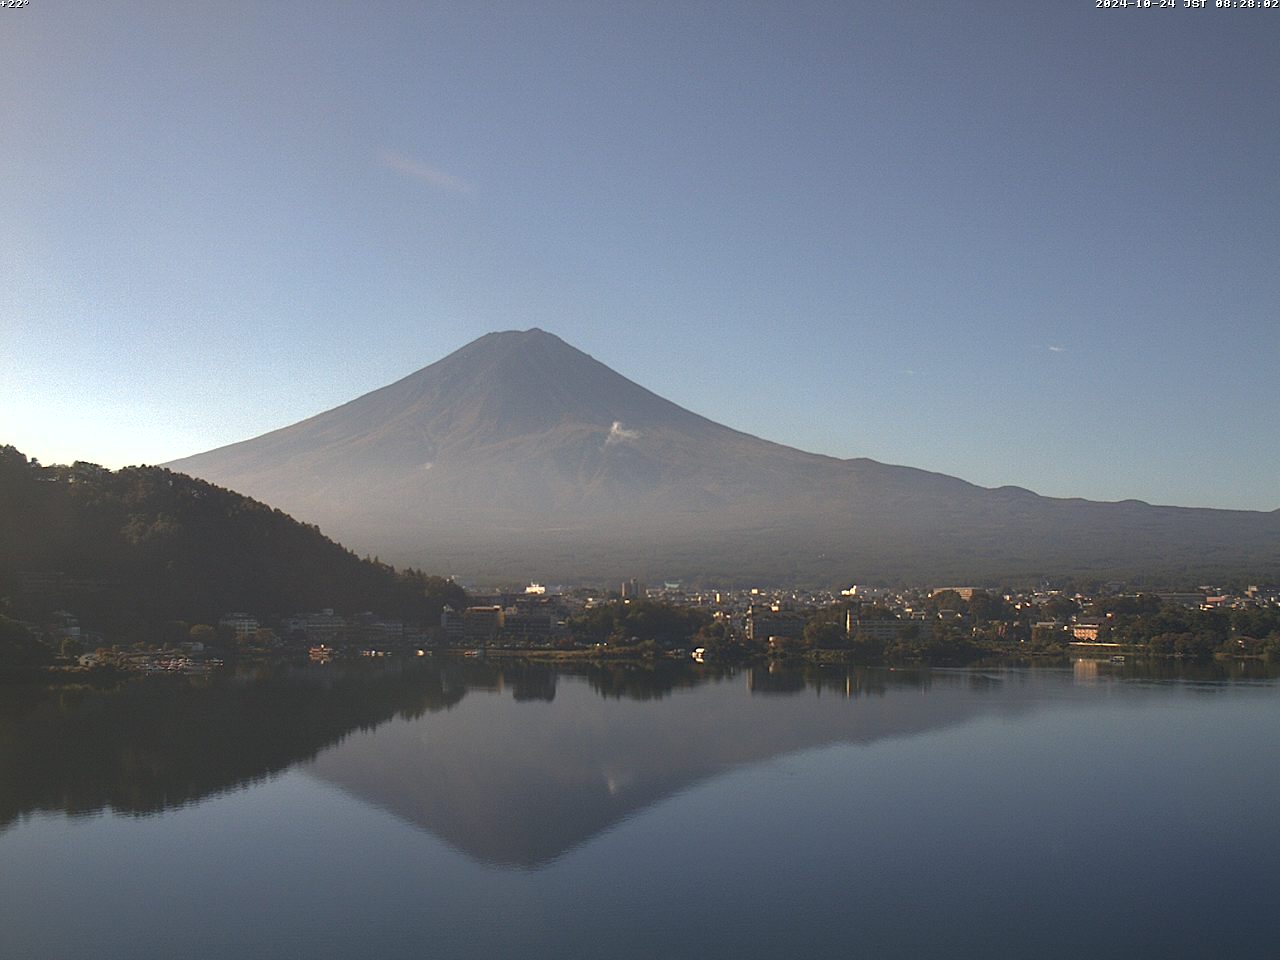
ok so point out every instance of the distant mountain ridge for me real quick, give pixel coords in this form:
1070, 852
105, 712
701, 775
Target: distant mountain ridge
521, 456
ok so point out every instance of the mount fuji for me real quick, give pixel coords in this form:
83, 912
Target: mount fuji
520, 456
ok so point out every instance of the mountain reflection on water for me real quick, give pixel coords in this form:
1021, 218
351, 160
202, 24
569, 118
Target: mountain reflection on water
512, 763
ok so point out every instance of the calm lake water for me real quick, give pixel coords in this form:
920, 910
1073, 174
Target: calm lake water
466, 809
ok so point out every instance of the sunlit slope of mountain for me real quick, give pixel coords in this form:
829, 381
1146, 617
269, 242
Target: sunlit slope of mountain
519, 455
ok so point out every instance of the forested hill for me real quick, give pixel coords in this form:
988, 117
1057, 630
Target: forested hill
141, 545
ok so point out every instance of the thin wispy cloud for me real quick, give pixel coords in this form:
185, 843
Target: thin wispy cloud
394, 160
1057, 349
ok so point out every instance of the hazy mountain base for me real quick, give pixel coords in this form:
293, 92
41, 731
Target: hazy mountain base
798, 556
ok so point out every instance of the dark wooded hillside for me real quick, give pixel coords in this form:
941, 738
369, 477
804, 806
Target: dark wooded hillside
132, 548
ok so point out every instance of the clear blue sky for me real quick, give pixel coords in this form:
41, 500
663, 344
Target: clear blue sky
1030, 243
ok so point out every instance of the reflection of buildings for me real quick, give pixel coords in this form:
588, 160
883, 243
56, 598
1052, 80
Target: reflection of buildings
849, 684
531, 682
775, 679
1085, 671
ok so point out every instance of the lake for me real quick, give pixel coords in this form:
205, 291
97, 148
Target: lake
466, 808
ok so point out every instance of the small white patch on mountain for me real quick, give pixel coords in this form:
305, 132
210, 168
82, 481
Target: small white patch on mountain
618, 435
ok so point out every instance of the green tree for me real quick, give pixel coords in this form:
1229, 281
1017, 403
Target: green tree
1059, 608
984, 607
825, 635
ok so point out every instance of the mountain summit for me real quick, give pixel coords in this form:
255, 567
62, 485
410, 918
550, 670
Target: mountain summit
521, 456
500, 387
